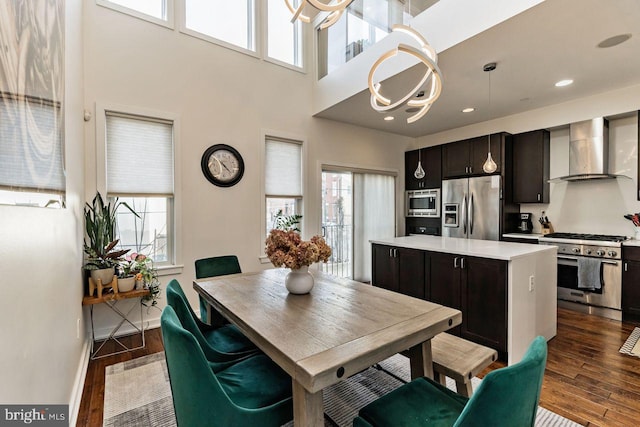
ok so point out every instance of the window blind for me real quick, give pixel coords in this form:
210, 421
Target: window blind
139, 156
283, 168
31, 148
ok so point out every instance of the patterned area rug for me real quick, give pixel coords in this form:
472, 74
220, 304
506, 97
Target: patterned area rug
137, 393
632, 345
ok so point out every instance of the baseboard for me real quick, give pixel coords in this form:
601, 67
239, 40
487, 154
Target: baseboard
78, 387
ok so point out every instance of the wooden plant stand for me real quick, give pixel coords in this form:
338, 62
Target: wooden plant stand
97, 284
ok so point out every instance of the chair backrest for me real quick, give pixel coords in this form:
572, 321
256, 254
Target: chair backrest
508, 396
217, 266
198, 397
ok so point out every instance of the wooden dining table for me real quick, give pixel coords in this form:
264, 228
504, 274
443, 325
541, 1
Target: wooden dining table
337, 330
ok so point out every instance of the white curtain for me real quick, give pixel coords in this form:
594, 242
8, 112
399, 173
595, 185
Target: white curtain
374, 218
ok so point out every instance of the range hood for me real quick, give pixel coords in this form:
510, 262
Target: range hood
588, 151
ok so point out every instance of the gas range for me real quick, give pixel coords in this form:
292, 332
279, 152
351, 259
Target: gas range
590, 245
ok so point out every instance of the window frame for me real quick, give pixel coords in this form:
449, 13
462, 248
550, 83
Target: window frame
168, 23
285, 137
174, 217
303, 34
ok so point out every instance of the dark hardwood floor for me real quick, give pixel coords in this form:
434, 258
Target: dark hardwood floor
586, 379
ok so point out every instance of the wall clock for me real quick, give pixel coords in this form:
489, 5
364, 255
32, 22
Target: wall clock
222, 165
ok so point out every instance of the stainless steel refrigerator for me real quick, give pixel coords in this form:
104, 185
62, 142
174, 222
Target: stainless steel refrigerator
471, 207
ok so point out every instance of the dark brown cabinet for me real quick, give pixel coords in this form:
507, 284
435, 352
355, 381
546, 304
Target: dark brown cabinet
399, 269
446, 283
531, 167
431, 160
631, 284
465, 158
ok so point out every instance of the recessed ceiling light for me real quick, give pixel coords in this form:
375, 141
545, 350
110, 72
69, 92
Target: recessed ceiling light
614, 41
468, 110
389, 118
565, 82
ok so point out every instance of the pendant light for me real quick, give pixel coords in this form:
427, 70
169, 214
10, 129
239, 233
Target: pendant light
335, 8
489, 165
419, 172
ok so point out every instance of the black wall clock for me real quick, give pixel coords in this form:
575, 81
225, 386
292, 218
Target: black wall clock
222, 165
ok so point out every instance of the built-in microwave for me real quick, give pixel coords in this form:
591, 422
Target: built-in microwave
423, 203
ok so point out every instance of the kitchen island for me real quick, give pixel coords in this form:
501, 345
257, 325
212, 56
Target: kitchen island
506, 291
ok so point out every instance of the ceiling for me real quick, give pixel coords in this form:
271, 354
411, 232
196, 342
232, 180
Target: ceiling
554, 40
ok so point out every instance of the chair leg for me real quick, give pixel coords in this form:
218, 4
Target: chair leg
464, 388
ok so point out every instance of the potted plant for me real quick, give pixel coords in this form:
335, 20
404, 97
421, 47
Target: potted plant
99, 246
147, 277
128, 269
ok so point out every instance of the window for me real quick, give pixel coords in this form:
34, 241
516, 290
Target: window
229, 21
157, 11
284, 38
283, 178
140, 172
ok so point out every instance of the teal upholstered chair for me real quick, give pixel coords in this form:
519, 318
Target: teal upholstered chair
252, 392
219, 344
211, 267
505, 397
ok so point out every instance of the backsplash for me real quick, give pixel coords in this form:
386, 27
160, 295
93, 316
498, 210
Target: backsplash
595, 206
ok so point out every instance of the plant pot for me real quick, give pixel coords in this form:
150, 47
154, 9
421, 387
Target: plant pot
126, 284
299, 281
139, 284
104, 274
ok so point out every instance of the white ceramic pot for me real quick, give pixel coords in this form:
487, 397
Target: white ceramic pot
104, 274
299, 281
139, 284
126, 284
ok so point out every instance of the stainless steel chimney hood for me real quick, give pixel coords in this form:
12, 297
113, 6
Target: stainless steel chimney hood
588, 151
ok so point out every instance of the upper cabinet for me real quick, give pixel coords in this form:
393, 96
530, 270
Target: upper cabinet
465, 158
430, 160
531, 167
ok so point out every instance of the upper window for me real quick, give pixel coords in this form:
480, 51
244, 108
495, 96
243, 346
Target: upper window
283, 179
229, 21
158, 11
140, 171
284, 38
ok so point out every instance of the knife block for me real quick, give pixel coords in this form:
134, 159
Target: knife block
547, 228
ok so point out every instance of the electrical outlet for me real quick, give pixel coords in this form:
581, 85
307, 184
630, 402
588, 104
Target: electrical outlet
78, 328
532, 283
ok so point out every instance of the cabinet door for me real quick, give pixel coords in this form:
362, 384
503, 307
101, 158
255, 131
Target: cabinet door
479, 152
411, 278
384, 267
631, 291
455, 159
432, 165
531, 167
484, 302
445, 282
410, 165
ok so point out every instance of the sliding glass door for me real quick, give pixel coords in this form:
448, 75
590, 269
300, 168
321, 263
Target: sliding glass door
357, 206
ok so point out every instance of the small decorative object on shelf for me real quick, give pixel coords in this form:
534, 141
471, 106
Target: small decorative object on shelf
285, 248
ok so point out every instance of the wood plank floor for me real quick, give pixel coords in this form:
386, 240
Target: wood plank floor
586, 379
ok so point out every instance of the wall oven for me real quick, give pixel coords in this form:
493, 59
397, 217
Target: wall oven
423, 203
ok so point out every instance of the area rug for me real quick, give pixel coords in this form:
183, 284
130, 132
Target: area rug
632, 345
138, 393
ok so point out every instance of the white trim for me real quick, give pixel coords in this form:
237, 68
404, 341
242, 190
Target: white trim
168, 23
265, 42
78, 384
284, 64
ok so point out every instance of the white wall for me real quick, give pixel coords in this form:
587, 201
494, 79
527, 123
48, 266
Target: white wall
40, 259
221, 96
591, 206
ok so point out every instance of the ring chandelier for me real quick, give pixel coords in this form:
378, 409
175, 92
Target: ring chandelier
335, 9
427, 55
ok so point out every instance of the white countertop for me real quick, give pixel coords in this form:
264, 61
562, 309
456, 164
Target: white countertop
631, 242
531, 236
479, 248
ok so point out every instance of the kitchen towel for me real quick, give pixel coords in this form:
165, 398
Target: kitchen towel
589, 273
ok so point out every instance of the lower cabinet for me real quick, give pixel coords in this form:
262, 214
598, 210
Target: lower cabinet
631, 284
475, 286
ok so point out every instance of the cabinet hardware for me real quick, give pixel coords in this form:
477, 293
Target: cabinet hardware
470, 169
390, 253
538, 196
462, 263
455, 262
395, 253
626, 267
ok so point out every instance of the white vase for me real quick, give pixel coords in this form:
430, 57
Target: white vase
299, 281
126, 284
104, 274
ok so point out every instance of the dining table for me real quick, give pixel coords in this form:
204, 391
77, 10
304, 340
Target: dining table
338, 329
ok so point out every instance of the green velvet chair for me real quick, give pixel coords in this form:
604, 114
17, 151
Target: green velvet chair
212, 267
219, 344
252, 392
505, 397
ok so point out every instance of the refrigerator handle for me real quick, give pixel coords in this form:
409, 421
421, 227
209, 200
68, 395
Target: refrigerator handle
464, 215
471, 214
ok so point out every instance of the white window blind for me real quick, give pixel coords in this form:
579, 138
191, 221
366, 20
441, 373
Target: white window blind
139, 155
31, 148
283, 168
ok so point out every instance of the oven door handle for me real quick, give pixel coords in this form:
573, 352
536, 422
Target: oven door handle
575, 259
